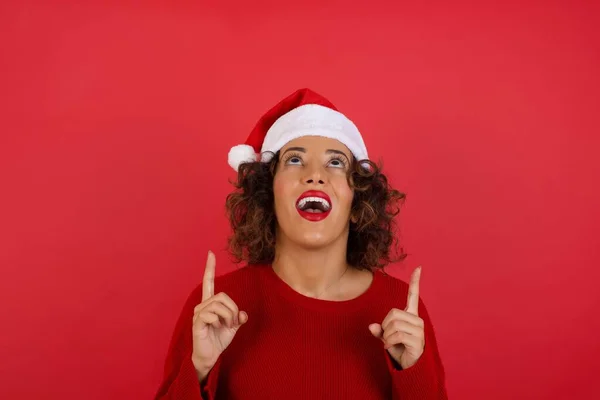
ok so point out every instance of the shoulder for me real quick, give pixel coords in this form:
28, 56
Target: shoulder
395, 289
237, 276
238, 283
390, 283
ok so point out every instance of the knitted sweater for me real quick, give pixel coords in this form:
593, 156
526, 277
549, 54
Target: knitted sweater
298, 347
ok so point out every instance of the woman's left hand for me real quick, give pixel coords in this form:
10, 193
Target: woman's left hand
402, 331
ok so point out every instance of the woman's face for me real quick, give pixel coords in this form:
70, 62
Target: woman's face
312, 195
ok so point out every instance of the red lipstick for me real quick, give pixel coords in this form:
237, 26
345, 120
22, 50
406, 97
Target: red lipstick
320, 199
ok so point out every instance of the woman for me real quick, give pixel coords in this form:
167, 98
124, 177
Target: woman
312, 315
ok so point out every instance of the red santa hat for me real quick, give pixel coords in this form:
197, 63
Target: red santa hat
303, 113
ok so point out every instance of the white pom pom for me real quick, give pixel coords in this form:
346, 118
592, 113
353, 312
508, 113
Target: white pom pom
240, 154
266, 156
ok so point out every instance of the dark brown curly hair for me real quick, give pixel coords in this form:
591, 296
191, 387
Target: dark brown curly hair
372, 240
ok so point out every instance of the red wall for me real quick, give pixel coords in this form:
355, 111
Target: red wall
116, 122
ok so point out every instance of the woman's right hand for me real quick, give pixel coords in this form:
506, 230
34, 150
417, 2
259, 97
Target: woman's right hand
216, 321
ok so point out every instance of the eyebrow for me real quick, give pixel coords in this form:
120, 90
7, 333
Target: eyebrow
303, 150
336, 152
300, 149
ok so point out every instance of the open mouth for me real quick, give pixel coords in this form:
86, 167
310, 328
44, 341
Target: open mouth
314, 205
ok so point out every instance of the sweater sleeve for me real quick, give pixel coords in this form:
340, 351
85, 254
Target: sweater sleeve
180, 381
425, 380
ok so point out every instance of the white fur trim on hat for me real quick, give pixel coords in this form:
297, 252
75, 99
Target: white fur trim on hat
240, 154
314, 120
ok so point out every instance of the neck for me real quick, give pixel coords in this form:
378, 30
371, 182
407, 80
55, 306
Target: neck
312, 272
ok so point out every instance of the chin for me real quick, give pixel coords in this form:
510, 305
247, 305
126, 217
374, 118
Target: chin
314, 240
309, 234
311, 237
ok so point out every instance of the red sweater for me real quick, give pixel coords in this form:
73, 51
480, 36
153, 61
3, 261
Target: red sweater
298, 347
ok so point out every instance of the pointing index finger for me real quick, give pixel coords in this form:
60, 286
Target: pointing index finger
208, 282
412, 302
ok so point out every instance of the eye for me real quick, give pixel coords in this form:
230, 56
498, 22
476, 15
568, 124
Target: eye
337, 162
293, 159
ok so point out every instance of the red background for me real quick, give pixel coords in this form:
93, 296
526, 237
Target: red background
116, 122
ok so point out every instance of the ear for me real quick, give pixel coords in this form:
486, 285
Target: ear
353, 218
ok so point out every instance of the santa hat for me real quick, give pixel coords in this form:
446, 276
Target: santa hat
303, 113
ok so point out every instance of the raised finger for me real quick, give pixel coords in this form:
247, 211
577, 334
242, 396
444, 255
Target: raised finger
208, 282
412, 302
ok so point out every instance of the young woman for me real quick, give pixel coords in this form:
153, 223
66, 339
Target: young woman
312, 314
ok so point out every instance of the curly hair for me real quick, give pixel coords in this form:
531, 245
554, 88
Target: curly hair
372, 240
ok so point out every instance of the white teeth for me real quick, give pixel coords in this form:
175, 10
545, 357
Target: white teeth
321, 200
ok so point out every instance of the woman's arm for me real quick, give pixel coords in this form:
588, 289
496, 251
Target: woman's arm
425, 380
180, 379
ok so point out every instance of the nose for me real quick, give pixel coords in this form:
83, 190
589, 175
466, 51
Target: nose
315, 175
320, 181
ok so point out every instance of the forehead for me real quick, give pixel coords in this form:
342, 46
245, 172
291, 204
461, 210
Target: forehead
318, 144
